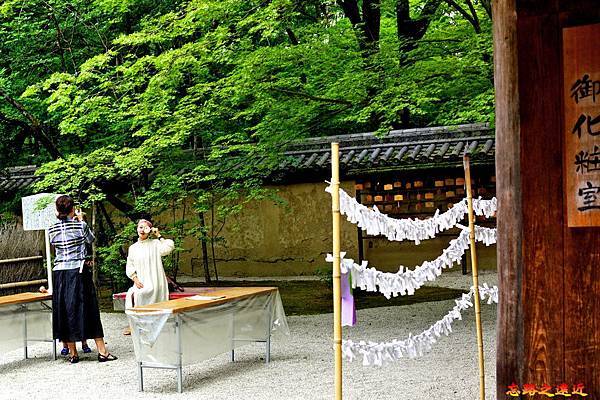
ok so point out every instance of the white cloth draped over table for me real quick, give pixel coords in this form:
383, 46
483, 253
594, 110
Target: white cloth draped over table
144, 260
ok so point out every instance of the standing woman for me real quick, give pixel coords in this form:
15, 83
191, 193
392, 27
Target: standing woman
145, 268
75, 311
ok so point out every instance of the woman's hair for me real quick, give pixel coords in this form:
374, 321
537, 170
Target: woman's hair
145, 221
64, 206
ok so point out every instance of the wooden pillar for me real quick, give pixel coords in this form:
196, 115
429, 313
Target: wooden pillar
549, 274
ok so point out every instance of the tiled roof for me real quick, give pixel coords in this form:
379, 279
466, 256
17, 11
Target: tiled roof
408, 149
420, 148
16, 178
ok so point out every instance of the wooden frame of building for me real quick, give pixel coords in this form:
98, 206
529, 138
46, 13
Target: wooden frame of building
549, 274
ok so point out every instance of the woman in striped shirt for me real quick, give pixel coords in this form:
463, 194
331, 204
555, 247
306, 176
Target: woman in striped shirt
75, 311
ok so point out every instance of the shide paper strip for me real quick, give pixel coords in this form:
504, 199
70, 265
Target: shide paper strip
375, 223
378, 354
406, 281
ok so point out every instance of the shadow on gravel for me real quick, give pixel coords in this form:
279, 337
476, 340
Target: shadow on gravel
209, 374
16, 365
315, 297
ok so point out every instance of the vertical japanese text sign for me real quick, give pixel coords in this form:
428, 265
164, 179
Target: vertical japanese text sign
581, 97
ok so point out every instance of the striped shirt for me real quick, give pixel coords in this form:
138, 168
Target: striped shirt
70, 238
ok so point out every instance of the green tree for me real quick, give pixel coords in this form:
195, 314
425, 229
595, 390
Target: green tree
145, 105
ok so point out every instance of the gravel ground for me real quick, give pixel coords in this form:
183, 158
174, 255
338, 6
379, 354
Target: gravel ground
301, 366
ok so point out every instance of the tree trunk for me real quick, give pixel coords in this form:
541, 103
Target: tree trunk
204, 248
111, 225
411, 30
371, 10
37, 129
212, 239
367, 26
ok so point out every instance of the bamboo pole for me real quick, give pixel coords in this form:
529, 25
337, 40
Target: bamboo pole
467, 167
21, 259
13, 285
337, 300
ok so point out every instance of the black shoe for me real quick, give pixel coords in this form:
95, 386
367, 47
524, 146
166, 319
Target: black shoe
73, 359
108, 357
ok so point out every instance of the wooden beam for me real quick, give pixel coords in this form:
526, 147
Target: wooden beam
14, 285
510, 346
21, 259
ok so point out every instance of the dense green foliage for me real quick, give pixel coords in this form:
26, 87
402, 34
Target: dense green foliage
144, 104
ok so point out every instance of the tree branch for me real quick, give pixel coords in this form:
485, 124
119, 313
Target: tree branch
371, 10
351, 11
36, 127
487, 6
310, 97
472, 20
367, 26
292, 36
59, 39
475, 17
409, 30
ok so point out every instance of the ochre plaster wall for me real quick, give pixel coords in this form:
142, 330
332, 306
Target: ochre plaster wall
388, 256
267, 239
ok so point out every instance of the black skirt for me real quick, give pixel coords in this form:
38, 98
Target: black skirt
75, 311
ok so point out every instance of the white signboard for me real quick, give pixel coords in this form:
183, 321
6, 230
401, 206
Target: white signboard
39, 211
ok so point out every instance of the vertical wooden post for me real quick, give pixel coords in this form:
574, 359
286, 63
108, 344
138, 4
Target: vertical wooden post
94, 263
337, 299
475, 277
510, 343
48, 260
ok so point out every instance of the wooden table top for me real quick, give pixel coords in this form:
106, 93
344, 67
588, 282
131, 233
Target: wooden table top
185, 304
21, 298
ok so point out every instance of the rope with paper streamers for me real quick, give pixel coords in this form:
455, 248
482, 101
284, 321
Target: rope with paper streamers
405, 282
377, 354
376, 223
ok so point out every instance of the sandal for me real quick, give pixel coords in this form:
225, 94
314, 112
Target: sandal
86, 349
105, 358
73, 359
64, 351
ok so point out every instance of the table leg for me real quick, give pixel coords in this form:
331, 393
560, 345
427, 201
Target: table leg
268, 340
54, 349
25, 331
179, 354
232, 359
141, 376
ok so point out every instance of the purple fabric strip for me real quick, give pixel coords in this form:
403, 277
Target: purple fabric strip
348, 309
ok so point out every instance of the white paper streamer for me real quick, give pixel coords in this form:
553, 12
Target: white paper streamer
406, 281
377, 354
376, 223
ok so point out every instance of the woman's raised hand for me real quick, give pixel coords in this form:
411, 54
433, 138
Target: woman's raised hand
79, 214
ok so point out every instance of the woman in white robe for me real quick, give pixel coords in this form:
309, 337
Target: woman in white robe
145, 268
